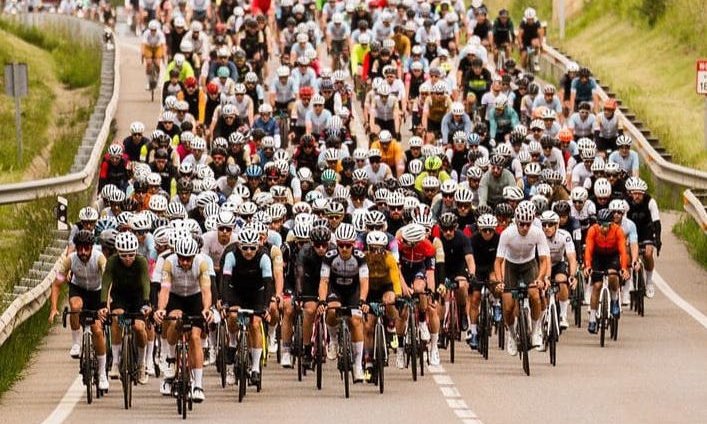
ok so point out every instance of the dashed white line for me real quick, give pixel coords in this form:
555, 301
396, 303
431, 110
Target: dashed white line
452, 396
67, 403
678, 300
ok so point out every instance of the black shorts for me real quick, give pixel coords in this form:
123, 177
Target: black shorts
310, 286
346, 295
376, 294
483, 274
251, 298
154, 293
434, 126
189, 305
91, 299
386, 125
559, 268
128, 304
603, 263
527, 272
604, 144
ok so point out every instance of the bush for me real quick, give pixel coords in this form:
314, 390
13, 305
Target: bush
653, 10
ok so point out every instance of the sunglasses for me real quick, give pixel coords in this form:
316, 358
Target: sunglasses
523, 224
548, 224
320, 245
185, 258
225, 229
249, 248
487, 230
463, 205
396, 208
448, 195
448, 229
377, 250
578, 202
127, 255
301, 243
344, 245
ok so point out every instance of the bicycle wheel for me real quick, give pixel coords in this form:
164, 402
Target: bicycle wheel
157, 354
185, 386
553, 335
577, 298
412, 339
523, 339
297, 344
345, 346
379, 354
640, 293
278, 338
483, 327
501, 330
319, 351
242, 369
87, 366
452, 326
221, 353
125, 369
602, 322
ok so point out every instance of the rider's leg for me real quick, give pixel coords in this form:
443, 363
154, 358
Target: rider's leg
474, 302
594, 301
116, 336
563, 295
196, 357
310, 309
357, 341
75, 305
255, 339
286, 329
649, 264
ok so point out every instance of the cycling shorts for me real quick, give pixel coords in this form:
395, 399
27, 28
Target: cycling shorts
154, 293
602, 263
346, 295
434, 126
376, 294
246, 298
189, 305
559, 268
91, 299
130, 305
527, 272
606, 143
153, 52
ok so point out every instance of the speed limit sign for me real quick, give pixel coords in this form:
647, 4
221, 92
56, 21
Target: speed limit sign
702, 76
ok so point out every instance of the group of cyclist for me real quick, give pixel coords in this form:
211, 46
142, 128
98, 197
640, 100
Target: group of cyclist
254, 192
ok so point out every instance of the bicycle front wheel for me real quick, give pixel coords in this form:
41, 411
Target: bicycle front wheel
380, 348
484, 327
87, 370
185, 383
345, 347
553, 335
412, 338
319, 352
297, 343
126, 366
241, 366
452, 327
603, 321
523, 340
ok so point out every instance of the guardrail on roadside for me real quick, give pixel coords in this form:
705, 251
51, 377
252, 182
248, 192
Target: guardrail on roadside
554, 63
84, 170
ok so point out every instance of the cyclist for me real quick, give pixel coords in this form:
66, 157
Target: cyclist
584, 89
344, 282
154, 48
516, 261
114, 168
618, 208
502, 119
605, 251
384, 286
493, 182
484, 244
643, 211
530, 35
125, 288
87, 266
626, 158
563, 260
607, 127
247, 273
391, 152
290, 252
502, 35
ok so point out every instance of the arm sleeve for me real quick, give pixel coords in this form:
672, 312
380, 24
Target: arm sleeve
394, 274
228, 264
589, 246
623, 253
145, 280
106, 282
266, 266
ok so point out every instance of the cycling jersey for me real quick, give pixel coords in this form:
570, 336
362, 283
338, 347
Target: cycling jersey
383, 271
213, 248
416, 260
86, 275
344, 276
560, 244
183, 282
629, 164
531, 30
484, 254
127, 287
583, 91
611, 244
644, 215
308, 270
503, 34
241, 274
518, 249
455, 252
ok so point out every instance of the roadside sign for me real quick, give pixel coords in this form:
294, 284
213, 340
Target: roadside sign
16, 79
702, 76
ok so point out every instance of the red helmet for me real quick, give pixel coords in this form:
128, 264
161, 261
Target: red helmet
565, 135
306, 91
610, 104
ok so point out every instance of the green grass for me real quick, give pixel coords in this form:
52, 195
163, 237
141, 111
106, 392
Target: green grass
689, 231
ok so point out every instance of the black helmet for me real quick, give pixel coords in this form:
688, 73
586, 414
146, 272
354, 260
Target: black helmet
320, 234
358, 190
484, 209
130, 205
561, 208
447, 220
184, 186
84, 238
584, 72
605, 216
503, 209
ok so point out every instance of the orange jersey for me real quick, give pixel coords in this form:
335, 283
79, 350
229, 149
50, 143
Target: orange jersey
613, 242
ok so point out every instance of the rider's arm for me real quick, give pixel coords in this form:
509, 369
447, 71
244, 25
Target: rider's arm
205, 284
363, 281
396, 117
107, 282
589, 245
324, 282
394, 273
60, 279
277, 269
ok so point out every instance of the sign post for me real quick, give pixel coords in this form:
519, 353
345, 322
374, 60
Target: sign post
562, 19
701, 87
16, 83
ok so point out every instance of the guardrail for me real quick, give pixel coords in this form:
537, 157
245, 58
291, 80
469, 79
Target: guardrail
84, 170
554, 63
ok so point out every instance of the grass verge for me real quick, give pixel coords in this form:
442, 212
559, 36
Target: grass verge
689, 231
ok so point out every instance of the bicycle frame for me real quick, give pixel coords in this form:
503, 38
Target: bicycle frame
88, 363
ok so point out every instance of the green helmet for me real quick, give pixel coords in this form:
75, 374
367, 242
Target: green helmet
433, 163
328, 176
223, 72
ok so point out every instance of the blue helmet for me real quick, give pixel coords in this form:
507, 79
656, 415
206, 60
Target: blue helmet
253, 171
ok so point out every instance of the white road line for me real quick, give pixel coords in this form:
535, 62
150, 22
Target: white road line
678, 300
452, 396
67, 403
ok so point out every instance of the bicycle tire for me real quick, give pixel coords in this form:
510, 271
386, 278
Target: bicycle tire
221, 353
125, 366
241, 367
577, 298
86, 366
452, 329
184, 370
553, 335
412, 338
523, 340
421, 361
501, 330
614, 328
641, 293
483, 326
156, 354
278, 339
345, 358
319, 352
380, 356
602, 322
298, 351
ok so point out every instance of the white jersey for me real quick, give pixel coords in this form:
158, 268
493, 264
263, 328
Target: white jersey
560, 245
212, 247
518, 249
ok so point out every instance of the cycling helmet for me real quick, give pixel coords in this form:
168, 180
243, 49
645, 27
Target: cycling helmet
585, 143
549, 217
197, 143
253, 171
636, 184
549, 89
572, 67
549, 114
487, 221
498, 160
413, 233
385, 136
376, 238
579, 194
602, 188
463, 195
605, 216
425, 219
503, 210
137, 127
105, 223
500, 102
301, 231
448, 220
474, 173
396, 198
301, 207
359, 175
248, 237
525, 212
88, 214
561, 208
588, 154
161, 235
529, 13
383, 90
226, 219
84, 238
247, 209
186, 247
610, 104
565, 135
176, 210
115, 150
305, 174
533, 169
617, 205
345, 232
457, 108
140, 222
540, 202
430, 182
328, 176
126, 242
416, 166
374, 153
320, 234
158, 203
117, 196
360, 154
242, 191
433, 163
439, 88
623, 140
598, 165
513, 193
544, 189
612, 168
276, 211
153, 25
447, 187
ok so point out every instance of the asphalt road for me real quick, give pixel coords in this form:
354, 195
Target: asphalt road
655, 373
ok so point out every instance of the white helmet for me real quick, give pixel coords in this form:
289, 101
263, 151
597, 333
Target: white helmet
579, 194
413, 233
525, 212
572, 67
153, 25
449, 186
283, 71
186, 246
549, 216
487, 221
345, 232
415, 166
115, 150
377, 238
602, 188
415, 141
430, 182
88, 214
529, 13
158, 203
457, 108
179, 60
636, 184
126, 242
463, 195
248, 237
623, 140
514, 193
137, 127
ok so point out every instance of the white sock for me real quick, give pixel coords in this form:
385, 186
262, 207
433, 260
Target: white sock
76, 336
474, 328
232, 339
198, 375
536, 325
615, 295
212, 340
163, 351
333, 333
255, 356
204, 343
141, 356
592, 315
116, 354
171, 351
285, 349
563, 308
433, 340
101, 364
649, 277
627, 286
271, 331
149, 349
358, 354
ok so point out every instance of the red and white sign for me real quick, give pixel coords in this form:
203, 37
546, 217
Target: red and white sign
701, 76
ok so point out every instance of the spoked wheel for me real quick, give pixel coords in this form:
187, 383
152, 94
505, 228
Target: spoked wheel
297, 343
184, 387
87, 371
523, 341
241, 368
221, 354
577, 298
319, 352
452, 327
412, 337
602, 322
553, 335
380, 356
125, 369
484, 327
346, 361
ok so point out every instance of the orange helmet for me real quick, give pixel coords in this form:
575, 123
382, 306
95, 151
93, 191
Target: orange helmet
306, 91
610, 104
565, 135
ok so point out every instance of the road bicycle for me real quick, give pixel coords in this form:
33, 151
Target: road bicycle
380, 345
243, 361
181, 384
638, 294
450, 324
551, 323
128, 365
605, 319
413, 346
88, 363
319, 336
486, 321
522, 327
345, 353
222, 351
577, 298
